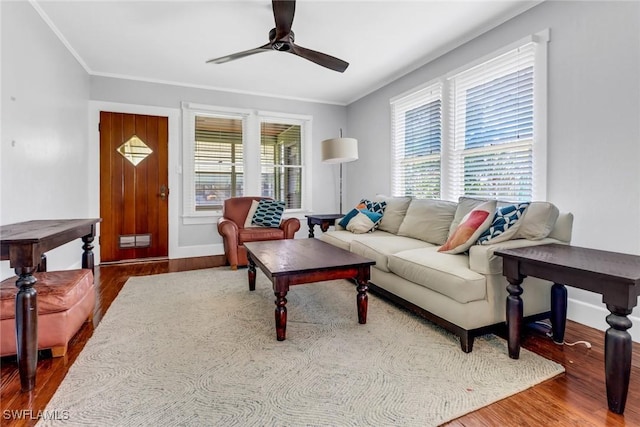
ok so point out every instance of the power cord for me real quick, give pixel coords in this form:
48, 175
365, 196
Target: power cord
549, 334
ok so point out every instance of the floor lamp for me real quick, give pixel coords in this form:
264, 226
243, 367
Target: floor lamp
340, 150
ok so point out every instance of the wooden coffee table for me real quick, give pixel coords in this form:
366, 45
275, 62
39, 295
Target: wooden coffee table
296, 261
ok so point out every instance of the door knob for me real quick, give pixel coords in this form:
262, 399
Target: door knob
164, 192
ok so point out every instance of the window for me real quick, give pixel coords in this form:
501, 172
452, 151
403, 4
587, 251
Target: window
416, 122
281, 162
218, 161
476, 132
232, 152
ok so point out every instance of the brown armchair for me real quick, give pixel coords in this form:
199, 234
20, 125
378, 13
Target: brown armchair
231, 228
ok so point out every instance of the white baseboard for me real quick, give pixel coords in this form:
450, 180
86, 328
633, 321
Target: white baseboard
196, 251
595, 317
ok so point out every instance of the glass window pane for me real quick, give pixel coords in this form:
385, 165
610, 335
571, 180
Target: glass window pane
281, 160
283, 183
423, 130
280, 144
500, 110
218, 161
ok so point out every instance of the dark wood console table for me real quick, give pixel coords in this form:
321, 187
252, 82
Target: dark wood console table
23, 244
614, 275
324, 221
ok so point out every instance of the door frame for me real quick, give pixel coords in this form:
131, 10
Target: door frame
93, 163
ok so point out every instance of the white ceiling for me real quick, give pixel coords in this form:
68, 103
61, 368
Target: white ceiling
169, 41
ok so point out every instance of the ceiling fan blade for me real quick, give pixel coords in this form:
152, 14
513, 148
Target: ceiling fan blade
283, 11
319, 58
239, 55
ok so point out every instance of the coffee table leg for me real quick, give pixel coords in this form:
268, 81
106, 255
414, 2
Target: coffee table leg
362, 301
252, 273
281, 315
617, 357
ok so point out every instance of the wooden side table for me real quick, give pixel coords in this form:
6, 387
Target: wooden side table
615, 276
324, 221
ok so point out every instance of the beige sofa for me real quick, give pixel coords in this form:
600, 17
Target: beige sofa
464, 293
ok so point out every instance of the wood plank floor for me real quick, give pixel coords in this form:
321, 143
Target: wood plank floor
576, 398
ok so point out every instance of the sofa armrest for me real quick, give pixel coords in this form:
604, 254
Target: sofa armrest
290, 226
482, 259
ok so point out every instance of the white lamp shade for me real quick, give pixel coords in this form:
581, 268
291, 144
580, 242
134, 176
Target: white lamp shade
339, 150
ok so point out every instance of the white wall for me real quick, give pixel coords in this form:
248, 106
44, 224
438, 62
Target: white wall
203, 239
593, 124
45, 94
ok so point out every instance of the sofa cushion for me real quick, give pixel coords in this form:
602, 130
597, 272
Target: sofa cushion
482, 258
343, 238
562, 229
255, 234
538, 221
505, 224
472, 226
394, 212
428, 220
379, 248
443, 273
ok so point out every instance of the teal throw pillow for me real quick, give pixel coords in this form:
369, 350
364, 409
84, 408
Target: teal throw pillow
348, 217
505, 224
269, 213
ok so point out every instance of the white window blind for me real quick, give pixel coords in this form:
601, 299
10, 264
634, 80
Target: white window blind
416, 140
281, 162
492, 127
218, 160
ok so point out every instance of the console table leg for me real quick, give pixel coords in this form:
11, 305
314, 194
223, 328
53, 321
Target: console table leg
27, 327
617, 357
558, 311
281, 315
87, 254
252, 274
362, 301
514, 316
310, 224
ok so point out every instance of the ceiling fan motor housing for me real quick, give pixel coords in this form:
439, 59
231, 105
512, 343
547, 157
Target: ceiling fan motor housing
281, 45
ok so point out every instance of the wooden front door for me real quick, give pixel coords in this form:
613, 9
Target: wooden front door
133, 186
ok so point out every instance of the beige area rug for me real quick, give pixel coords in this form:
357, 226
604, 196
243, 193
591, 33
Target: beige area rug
198, 349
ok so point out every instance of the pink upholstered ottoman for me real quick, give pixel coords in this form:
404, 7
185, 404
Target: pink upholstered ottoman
66, 300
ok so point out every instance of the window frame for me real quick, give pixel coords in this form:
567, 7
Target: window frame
451, 180
251, 120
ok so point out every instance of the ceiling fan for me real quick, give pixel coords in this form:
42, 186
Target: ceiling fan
281, 39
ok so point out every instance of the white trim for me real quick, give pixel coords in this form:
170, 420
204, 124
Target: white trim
540, 116
216, 88
540, 37
595, 316
58, 34
173, 115
199, 251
